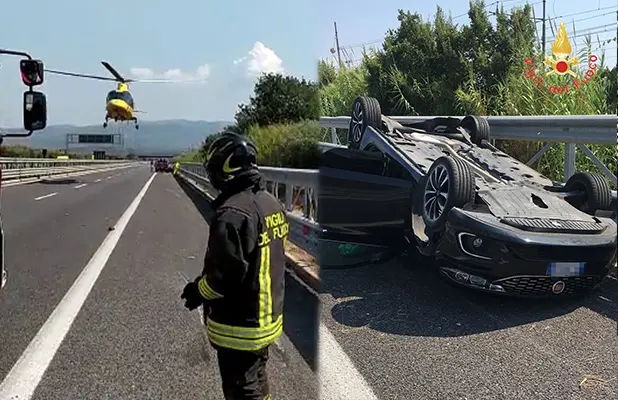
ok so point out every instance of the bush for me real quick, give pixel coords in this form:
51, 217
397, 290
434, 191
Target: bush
190, 156
287, 145
339, 89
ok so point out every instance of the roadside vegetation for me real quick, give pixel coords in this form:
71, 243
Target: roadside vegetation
439, 68
281, 119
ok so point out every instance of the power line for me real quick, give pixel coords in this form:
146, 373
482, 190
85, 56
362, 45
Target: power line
549, 19
590, 31
584, 12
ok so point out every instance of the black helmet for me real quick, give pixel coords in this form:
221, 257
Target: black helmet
228, 157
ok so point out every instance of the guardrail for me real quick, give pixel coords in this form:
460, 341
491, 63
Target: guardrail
575, 131
295, 188
19, 169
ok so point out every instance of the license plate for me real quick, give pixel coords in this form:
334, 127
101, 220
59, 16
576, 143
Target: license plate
562, 269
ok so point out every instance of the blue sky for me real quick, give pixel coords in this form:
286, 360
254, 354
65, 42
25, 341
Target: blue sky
367, 21
159, 36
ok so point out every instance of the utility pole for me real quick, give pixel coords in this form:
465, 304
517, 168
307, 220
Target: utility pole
338, 48
544, 37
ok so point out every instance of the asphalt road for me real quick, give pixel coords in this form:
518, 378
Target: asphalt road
131, 338
410, 335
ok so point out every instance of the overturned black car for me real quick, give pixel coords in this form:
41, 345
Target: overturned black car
491, 222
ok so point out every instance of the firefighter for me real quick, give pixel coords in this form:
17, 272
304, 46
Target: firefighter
242, 284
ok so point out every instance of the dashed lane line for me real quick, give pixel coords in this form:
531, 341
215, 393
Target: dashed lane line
45, 196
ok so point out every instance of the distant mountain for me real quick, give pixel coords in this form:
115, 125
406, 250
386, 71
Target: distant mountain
153, 137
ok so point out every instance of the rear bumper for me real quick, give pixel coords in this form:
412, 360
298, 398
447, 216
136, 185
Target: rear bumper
482, 253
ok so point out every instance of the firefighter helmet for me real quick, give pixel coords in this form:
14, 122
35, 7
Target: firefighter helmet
231, 155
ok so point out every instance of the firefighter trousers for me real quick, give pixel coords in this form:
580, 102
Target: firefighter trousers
243, 373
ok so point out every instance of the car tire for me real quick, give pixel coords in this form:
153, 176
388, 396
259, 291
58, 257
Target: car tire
449, 183
477, 127
597, 192
365, 112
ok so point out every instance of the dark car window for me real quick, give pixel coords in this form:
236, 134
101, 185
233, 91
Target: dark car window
395, 170
367, 162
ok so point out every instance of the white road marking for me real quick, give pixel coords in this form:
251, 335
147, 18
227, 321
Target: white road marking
98, 180
46, 196
81, 186
109, 177
23, 379
339, 378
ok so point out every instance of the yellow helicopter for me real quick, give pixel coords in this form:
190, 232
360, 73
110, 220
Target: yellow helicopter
120, 106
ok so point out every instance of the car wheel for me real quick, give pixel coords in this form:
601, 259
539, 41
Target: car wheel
449, 183
477, 127
365, 112
597, 194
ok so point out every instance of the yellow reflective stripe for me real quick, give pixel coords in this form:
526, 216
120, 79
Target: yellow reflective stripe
244, 332
244, 344
269, 294
206, 291
262, 298
265, 313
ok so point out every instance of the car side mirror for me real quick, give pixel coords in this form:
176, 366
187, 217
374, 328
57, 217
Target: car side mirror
35, 111
31, 72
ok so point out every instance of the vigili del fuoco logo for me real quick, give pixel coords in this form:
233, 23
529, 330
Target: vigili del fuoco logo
561, 63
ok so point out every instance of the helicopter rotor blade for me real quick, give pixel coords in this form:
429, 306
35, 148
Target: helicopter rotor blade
74, 74
113, 71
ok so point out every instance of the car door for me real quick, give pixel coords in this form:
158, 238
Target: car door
363, 197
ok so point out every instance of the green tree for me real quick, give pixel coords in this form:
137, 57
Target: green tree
279, 99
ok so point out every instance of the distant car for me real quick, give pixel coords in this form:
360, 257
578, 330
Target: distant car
161, 166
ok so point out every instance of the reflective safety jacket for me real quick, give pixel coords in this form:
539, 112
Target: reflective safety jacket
244, 268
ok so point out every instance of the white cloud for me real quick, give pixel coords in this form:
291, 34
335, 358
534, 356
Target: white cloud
261, 60
201, 74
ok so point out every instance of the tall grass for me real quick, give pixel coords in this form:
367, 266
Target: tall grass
337, 96
521, 95
288, 145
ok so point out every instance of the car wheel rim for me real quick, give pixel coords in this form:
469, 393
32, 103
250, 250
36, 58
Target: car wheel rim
436, 193
357, 122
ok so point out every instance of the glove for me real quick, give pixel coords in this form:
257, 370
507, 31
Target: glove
192, 296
